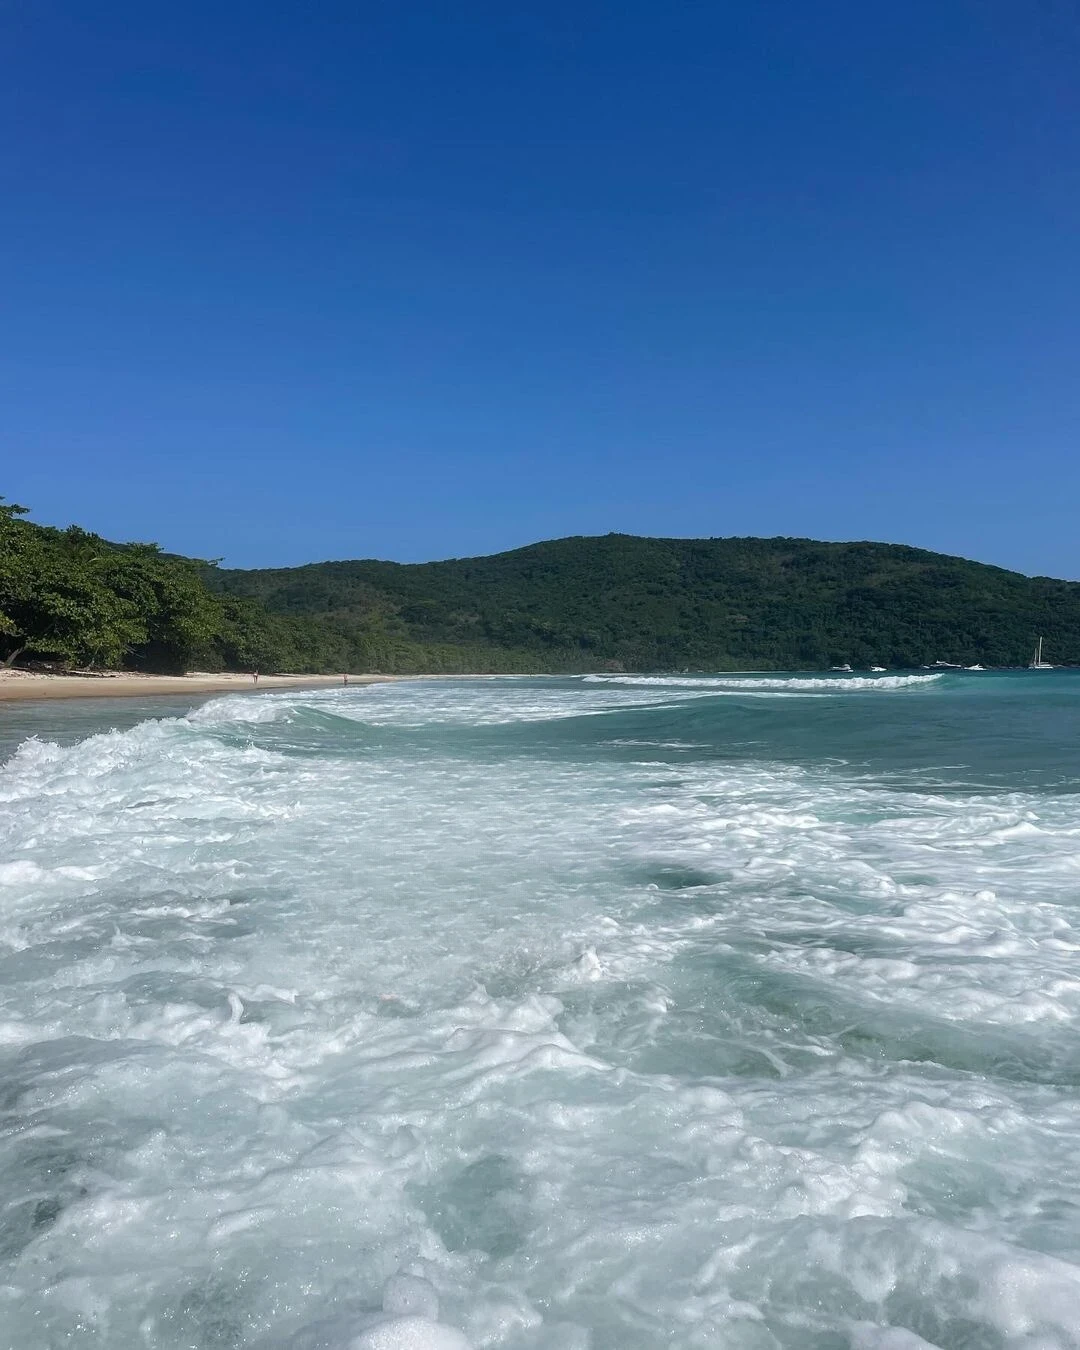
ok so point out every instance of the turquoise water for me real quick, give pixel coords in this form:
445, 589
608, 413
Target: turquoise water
548, 1014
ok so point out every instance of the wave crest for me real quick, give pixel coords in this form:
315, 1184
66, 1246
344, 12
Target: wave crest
842, 684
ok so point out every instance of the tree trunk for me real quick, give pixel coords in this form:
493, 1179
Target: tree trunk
10, 660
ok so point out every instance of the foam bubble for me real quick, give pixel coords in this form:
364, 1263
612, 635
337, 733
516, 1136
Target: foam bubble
409, 1333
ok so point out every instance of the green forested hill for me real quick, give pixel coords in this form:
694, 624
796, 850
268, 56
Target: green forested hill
581, 603
71, 597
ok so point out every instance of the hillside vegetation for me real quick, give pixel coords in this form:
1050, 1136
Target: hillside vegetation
583, 603
73, 598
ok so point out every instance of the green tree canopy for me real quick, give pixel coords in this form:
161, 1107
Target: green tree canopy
614, 601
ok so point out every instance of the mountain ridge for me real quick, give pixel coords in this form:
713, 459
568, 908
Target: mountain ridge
580, 603
721, 602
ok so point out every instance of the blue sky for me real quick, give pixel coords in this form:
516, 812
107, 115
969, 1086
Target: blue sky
286, 282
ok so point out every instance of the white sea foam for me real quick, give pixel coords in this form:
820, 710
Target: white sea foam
310, 1042
461, 702
796, 684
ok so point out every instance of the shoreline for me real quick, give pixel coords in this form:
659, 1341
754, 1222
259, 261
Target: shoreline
26, 685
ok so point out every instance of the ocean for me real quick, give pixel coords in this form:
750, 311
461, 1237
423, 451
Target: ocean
601, 1013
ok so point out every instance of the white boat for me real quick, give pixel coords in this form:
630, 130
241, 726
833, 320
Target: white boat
975, 667
878, 670
845, 669
1037, 663
946, 665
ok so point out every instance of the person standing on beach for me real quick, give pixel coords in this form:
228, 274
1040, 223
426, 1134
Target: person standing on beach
344, 679
255, 677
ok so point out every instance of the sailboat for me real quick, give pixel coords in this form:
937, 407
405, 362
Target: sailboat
1037, 663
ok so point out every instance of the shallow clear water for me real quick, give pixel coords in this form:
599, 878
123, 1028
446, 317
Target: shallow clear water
616, 1012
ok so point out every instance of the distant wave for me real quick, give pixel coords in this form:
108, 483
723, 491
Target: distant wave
841, 684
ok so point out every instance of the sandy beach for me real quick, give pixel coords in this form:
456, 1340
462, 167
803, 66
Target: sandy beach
25, 684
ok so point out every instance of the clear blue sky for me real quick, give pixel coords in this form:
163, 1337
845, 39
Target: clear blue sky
285, 282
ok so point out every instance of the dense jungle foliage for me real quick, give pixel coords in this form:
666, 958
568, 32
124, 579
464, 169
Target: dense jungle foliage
72, 599
708, 604
75, 599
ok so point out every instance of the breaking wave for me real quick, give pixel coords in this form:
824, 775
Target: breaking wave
797, 684
322, 1032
